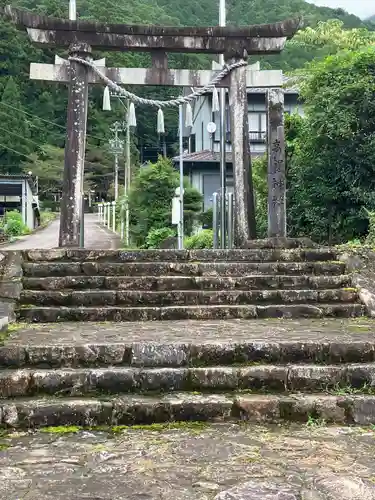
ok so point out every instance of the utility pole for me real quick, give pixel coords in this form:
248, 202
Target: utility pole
116, 146
223, 171
127, 177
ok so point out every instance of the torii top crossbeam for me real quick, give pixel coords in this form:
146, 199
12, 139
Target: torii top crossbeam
257, 39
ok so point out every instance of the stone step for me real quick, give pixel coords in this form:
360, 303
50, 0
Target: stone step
251, 378
250, 255
110, 313
180, 353
129, 410
169, 283
130, 298
213, 269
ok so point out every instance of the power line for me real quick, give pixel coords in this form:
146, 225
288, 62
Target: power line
41, 146
49, 121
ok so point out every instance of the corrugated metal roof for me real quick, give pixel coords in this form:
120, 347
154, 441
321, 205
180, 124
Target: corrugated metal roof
206, 156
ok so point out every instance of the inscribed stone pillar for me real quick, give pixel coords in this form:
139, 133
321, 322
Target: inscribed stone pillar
276, 165
71, 201
244, 213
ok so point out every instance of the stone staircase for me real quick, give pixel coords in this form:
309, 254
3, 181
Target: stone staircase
309, 371
82, 285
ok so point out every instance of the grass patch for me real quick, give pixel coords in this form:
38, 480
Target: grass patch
4, 446
344, 391
314, 421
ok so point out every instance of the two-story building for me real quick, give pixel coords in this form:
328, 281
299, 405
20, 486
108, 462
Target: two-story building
202, 155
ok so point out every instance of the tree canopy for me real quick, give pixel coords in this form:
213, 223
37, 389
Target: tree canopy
332, 162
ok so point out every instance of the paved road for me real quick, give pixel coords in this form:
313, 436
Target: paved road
95, 237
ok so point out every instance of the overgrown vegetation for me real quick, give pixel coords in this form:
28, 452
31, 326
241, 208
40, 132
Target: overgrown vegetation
13, 225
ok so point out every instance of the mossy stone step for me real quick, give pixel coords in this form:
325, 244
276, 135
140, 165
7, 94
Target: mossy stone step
157, 268
111, 313
181, 353
131, 298
250, 255
119, 380
128, 410
170, 283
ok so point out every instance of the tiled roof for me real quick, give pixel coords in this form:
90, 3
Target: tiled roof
207, 156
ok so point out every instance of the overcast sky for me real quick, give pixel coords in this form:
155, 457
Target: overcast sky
362, 8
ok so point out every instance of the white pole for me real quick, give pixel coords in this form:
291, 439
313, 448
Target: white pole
114, 216
223, 173
108, 214
181, 223
72, 10
127, 178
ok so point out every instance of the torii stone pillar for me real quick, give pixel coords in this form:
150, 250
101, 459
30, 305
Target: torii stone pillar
276, 164
75, 144
244, 210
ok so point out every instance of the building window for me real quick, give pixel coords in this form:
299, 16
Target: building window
257, 126
192, 146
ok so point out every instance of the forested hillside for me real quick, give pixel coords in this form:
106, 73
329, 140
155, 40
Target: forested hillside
33, 114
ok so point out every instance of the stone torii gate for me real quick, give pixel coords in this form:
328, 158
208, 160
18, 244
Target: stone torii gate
81, 37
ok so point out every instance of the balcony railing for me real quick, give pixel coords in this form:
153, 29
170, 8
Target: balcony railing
258, 136
255, 136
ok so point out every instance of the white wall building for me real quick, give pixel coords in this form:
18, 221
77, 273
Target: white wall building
202, 157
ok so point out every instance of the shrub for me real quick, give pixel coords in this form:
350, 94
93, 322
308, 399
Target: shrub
156, 237
203, 239
206, 219
150, 200
14, 225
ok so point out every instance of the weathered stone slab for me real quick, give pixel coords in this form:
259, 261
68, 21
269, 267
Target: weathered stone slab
342, 487
258, 408
316, 378
254, 490
270, 378
137, 409
159, 268
134, 298
167, 283
153, 355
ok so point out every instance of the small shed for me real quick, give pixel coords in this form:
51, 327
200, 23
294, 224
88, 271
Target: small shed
16, 193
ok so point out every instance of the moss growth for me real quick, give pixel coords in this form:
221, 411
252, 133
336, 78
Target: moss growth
116, 429
68, 429
4, 446
3, 337
161, 427
14, 327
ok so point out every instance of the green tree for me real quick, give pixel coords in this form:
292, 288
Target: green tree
332, 170
150, 199
14, 127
